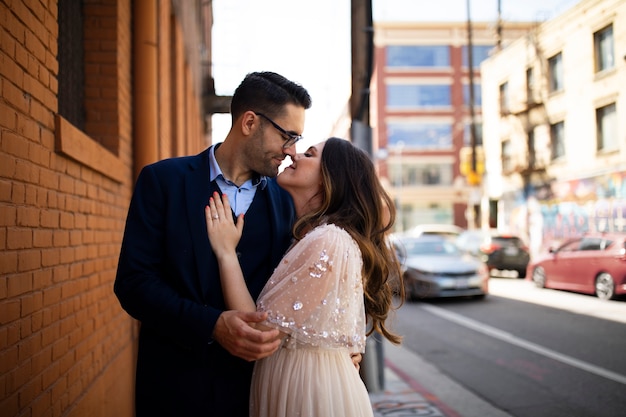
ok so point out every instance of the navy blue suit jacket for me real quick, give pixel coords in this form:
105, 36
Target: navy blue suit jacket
167, 279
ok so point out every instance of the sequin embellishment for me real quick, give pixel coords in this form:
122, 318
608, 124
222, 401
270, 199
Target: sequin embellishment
321, 266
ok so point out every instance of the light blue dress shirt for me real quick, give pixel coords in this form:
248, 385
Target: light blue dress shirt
240, 198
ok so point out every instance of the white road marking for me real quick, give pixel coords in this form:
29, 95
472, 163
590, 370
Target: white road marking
514, 340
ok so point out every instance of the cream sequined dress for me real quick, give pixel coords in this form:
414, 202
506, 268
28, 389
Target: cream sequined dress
315, 295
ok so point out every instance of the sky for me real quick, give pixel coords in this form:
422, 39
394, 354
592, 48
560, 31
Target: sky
308, 41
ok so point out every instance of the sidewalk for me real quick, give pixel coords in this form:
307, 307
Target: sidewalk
414, 387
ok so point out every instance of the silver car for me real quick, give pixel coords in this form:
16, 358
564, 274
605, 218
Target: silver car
433, 266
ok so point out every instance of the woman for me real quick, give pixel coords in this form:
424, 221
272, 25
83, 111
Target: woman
336, 273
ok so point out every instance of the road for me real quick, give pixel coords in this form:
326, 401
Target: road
528, 351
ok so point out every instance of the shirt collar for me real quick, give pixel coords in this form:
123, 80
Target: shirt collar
215, 171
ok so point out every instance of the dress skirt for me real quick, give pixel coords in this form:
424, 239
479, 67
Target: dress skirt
308, 382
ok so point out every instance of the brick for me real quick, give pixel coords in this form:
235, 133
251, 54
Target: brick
28, 260
52, 296
42, 238
9, 215
9, 311
27, 306
18, 193
50, 257
8, 117
8, 262
27, 216
14, 145
19, 238
60, 238
7, 164
5, 191
49, 218
30, 194
19, 284
26, 171
42, 279
14, 95
66, 220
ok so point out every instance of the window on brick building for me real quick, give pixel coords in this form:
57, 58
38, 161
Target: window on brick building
416, 56
606, 126
557, 140
478, 94
71, 62
418, 96
420, 135
467, 134
603, 49
479, 54
405, 173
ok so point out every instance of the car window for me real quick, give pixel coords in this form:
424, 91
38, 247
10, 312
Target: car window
501, 240
605, 244
442, 247
570, 246
591, 243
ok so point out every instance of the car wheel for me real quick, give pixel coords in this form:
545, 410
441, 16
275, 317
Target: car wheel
539, 277
605, 286
521, 273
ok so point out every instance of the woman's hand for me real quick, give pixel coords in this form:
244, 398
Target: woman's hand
223, 233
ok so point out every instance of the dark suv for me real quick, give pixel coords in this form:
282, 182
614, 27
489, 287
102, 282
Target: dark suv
498, 251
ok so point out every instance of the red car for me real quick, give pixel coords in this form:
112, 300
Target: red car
592, 264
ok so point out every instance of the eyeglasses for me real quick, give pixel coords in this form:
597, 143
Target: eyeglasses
293, 138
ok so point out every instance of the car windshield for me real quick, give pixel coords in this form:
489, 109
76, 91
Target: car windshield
430, 247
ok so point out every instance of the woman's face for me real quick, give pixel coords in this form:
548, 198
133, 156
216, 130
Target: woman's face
303, 178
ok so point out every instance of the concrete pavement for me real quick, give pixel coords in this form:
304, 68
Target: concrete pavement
414, 387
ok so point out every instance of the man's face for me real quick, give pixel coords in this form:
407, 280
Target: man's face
265, 151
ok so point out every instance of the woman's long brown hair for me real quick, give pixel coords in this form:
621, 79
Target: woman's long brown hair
355, 200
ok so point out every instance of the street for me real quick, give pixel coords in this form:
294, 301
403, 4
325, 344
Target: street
528, 351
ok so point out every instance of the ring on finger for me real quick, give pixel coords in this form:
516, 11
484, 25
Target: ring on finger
215, 216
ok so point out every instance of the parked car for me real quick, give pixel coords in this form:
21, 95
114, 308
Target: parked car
439, 229
590, 264
434, 267
499, 251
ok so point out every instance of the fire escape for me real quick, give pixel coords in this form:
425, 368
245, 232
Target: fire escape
531, 113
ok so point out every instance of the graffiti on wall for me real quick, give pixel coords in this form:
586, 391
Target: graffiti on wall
571, 208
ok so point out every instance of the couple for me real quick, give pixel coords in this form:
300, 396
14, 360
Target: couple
199, 329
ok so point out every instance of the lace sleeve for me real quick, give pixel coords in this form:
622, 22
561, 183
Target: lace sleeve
316, 293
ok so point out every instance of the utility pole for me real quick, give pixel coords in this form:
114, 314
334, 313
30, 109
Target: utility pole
474, 174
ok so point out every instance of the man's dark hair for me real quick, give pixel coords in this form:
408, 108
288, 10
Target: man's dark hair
268, 93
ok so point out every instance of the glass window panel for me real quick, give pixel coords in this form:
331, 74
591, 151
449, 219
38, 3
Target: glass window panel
603, 49
557, 140
478, 95
418, 56
479, 54
420, 135
555, 65
606, 120
467, 134
403, 96
404, 174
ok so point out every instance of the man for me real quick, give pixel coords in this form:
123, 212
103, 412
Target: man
195, 358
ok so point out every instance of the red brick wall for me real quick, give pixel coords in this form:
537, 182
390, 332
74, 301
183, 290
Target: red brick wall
66, 346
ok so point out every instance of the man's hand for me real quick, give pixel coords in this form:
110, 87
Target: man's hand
234, 332
356, 360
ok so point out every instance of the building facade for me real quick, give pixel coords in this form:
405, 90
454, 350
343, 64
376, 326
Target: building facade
91, 91
426, 100
554, 115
